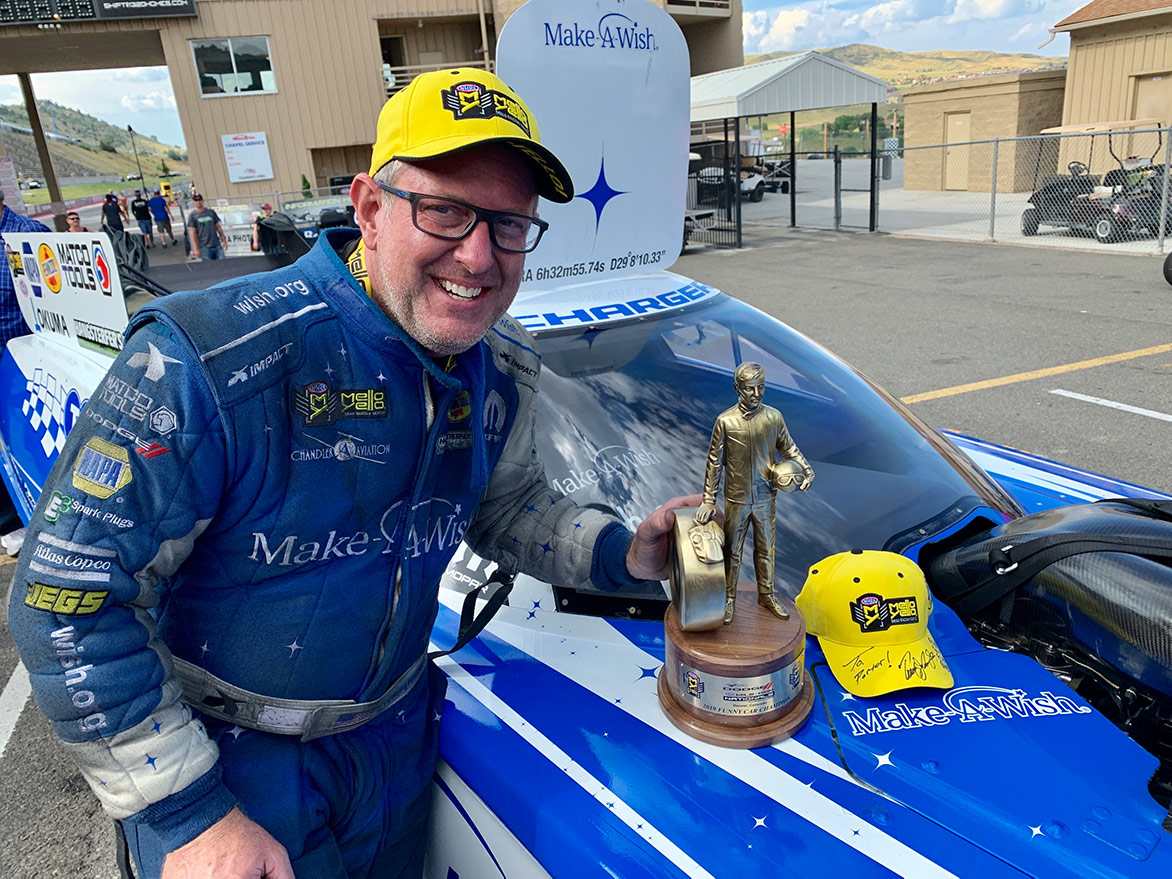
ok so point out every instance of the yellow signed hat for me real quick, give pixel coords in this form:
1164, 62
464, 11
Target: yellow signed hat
449, 110
870, 612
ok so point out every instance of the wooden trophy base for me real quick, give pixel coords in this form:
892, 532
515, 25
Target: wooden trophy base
742, 685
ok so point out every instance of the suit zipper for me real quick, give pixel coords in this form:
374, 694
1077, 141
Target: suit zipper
429, 420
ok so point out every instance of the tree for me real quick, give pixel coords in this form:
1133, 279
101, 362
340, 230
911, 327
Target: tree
306, 189
106, 147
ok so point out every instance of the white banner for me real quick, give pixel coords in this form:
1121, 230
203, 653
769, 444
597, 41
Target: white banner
247, 157
67, 285
608, 83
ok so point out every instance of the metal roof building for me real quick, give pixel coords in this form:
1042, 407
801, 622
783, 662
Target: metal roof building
809, 81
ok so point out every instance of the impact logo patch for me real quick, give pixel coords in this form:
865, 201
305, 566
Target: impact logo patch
102, 469
471, 100
15, 264
50, 268
319, 405
692, 683
874, 613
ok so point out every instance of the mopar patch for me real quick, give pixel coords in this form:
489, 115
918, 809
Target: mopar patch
874, 613
471, 100
319, 405
102, 469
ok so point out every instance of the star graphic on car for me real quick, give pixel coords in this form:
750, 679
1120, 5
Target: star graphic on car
155, 362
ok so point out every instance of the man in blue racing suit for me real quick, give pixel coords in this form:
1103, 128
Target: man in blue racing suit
225, 596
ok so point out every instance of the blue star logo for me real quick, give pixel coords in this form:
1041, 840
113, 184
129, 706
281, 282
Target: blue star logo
546, 547
158, 727
532, 614
646, 672
150, 761
600, 194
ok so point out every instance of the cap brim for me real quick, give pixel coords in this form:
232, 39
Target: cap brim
553, 180
886, 668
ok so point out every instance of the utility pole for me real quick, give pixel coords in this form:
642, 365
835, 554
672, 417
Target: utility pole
135, 147
34, 120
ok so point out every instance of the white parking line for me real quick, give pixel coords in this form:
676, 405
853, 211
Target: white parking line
12, 700
1163, 416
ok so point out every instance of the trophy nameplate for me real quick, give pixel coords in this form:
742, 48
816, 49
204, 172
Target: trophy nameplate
742, 685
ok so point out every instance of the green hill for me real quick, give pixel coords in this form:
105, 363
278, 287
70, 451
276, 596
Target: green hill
90, 130
903, 70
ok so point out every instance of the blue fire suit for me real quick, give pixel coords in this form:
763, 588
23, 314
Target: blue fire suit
264, 491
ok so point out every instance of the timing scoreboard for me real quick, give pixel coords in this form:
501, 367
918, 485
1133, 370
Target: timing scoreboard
40, 12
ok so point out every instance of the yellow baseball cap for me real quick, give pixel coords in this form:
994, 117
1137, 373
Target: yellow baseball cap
448, 110
870, 612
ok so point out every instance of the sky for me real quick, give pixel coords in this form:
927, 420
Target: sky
142, 96
907, 25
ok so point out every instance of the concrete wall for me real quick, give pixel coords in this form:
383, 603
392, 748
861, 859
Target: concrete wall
1016, 105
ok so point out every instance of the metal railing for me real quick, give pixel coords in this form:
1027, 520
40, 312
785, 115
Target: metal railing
699, 4
1095, 190
395, 79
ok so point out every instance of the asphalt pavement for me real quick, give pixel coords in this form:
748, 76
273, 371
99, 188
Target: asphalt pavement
920, 316
992, 330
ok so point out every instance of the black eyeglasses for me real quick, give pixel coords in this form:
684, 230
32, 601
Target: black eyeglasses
452, 220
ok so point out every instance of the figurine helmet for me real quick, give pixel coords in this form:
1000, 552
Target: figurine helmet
787, 475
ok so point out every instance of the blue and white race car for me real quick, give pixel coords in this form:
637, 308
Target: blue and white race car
1048, 756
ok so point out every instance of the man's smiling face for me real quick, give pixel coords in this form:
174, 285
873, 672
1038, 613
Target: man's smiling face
445, 294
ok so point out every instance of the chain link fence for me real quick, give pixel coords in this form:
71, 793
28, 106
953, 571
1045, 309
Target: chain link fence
1093, 189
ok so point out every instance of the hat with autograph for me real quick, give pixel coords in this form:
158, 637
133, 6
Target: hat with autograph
448, 110
870, 612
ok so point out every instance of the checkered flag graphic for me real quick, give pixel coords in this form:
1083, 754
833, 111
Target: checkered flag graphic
45, 410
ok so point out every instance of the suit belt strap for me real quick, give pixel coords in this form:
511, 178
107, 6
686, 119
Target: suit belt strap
308, 718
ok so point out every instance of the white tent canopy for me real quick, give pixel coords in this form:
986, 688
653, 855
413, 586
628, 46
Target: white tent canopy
809, 81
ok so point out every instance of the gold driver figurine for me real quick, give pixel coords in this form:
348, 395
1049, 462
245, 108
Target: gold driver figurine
744, 440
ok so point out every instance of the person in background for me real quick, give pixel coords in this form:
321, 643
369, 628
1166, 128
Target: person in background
142, 216
264, 238
208, 240
112, 214
73, 219
161, 211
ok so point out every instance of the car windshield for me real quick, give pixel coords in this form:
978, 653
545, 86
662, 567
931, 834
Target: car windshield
627, 415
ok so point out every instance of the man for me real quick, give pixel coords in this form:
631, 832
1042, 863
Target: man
263, 238
267, 541
161, 211
142, 214
207, 234
11, 320
73, 222
744, 440
112, 213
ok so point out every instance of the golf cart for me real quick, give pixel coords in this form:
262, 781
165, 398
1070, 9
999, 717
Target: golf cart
1125, 202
